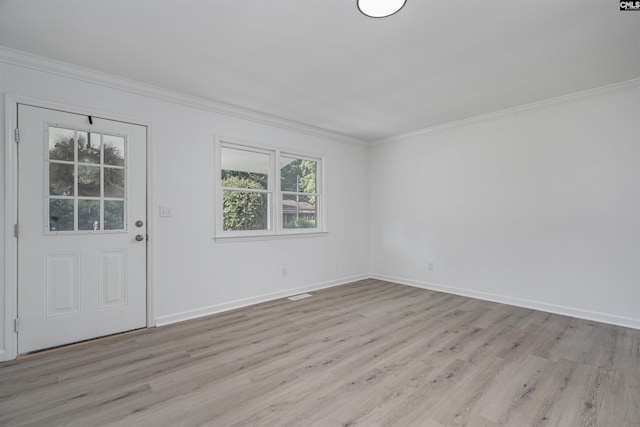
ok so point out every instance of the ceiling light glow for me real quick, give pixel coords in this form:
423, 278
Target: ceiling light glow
380, 8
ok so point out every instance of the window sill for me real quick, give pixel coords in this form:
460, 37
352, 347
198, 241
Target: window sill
229, 239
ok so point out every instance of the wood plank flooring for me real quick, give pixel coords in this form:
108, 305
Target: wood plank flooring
370, 353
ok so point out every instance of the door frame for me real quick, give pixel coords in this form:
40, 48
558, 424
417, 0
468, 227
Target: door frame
11, 210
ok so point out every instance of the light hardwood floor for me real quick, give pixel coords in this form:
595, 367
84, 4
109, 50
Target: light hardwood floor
370, 353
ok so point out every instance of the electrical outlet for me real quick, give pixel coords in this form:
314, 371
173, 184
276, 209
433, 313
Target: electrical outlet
430, 266
284, 272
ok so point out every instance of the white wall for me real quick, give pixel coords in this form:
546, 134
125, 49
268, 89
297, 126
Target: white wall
193, 274
539, 207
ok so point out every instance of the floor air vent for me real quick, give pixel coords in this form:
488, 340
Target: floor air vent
301, 296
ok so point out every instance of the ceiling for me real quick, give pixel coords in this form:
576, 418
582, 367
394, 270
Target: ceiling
322, 63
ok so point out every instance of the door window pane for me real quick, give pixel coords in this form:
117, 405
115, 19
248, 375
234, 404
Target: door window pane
61, 214
113, 215
82, 173
88, 214
61, 144
113, 150
113, 182
88, 147
60, 179
89, 181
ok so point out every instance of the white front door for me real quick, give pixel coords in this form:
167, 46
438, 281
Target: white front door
82, 228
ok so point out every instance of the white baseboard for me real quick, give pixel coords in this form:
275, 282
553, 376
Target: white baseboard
612, 319
232, 305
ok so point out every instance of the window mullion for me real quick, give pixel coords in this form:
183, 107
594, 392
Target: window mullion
75, 181
277, 215
246, 190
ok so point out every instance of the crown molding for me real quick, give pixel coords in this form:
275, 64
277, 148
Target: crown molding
441, 127
602, 90
52, 66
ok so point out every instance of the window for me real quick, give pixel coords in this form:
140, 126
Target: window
86, 181
298, 186
267, 192
247, 189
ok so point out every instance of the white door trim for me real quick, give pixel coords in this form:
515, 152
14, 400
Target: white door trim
10, 351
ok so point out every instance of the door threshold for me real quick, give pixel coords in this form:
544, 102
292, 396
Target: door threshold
56, 349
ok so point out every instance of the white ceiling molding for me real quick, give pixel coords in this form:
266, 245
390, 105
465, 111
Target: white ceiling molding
616, 87
52, 66
27, 60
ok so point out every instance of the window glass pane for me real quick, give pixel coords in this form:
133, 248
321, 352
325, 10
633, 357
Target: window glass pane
96, 172
88, 215
89, 181
113, 150
244, 169
299, 211
245, 210
113, 182
298, 175
88, 147
113, 215
60, 215
61, 146
60, 179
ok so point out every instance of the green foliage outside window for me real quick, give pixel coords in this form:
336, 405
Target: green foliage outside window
300, 176
244, 210
303, 223
61, 214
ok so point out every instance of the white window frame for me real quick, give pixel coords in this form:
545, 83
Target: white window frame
275, 220
76, 198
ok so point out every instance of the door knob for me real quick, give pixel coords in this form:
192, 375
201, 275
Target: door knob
139, 237
139, 223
